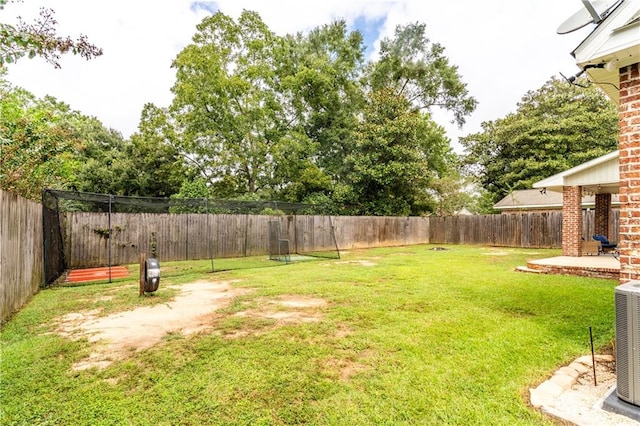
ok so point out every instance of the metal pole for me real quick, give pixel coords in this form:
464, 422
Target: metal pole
210, 236
593, 359
186, 255
143, 260
333, 234
109, 236
45, 239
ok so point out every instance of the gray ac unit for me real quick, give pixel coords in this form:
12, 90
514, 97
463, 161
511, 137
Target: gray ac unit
627, 299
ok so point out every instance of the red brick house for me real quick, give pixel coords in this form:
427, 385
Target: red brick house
599, 178
610, 57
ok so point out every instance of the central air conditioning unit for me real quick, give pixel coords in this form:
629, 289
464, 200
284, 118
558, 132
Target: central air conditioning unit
627, 300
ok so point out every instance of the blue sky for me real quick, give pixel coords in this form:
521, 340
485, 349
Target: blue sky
370, 28
207, 6
502, 48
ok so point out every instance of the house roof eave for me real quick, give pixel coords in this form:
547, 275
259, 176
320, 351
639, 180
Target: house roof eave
556, 182
613, 44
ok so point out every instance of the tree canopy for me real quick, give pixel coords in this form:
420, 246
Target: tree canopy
295, 117
414, 67
299, 118
46, 144
226, 101
37, 141
139, 166
556, 127
398, 154
256, 115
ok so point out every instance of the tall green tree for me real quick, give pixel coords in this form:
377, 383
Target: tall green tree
322, 96
398, 154
160, 168
324, 82
554, 128
416, 68
145, 165
450, 193
37, 142
414, 167
229, 113
101, 168
289, 117
46, 144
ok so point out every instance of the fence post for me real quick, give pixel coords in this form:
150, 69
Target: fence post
143, 260
109, 236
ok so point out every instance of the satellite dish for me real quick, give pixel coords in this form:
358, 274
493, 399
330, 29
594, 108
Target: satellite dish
593, 12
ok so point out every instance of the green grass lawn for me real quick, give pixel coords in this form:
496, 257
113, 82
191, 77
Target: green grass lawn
408, 335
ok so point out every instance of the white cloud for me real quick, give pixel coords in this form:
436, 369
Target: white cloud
503, 48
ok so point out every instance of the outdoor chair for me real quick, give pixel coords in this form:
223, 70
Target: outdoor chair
605, 245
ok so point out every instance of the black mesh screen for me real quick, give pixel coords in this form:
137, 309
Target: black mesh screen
90, 230
54, 262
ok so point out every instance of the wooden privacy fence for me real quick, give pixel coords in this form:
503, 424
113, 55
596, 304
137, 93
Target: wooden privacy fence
202, 236
170, 237
87, 241
21, 254
380, 231
533, 230
527, 230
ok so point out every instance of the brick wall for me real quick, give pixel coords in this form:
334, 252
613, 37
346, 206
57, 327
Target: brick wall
572, 221
629, 143
607, 273
603, 208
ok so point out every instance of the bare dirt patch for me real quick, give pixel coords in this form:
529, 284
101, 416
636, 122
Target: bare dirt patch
346, 368
356, 262
118, 334
497, 253
506, 252
289, 309
193, 310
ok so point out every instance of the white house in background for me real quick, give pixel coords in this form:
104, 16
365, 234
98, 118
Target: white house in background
598, 176
539, 200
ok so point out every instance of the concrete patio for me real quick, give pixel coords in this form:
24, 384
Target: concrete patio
603, 266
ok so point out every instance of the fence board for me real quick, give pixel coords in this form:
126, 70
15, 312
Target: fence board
529, 230
21, 254
198, 236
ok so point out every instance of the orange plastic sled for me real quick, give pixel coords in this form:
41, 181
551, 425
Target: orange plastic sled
96, 274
